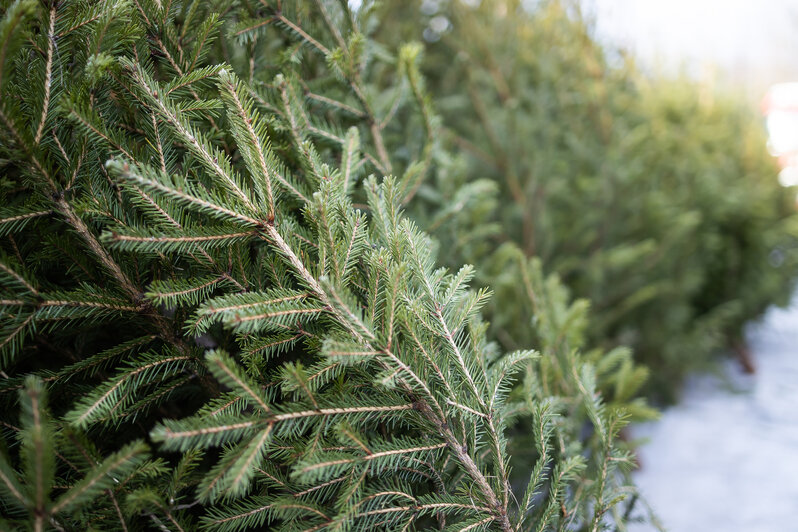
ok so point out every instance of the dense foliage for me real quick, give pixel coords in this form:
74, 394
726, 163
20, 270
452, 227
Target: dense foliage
655, 199
216, 316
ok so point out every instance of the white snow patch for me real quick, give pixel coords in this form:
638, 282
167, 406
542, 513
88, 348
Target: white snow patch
726, 457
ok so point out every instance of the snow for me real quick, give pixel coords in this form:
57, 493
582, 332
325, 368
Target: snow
726, 457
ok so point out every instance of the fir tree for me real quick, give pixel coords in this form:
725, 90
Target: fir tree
654, 198
198, 252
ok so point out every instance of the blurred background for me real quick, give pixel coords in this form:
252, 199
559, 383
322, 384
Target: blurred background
726, 457
624, 143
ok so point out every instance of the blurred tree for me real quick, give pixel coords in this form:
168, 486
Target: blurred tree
653, 198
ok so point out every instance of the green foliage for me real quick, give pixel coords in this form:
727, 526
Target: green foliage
62, 478
653, 198
197, 252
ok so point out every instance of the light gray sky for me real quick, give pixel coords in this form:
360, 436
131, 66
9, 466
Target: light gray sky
753, 42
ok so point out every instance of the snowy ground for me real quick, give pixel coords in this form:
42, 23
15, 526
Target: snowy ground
726, 458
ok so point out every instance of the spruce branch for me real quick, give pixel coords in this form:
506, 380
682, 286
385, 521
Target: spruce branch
349, 382
10, 35
16, 222
216, 161
48, 76
101, 478
70, 216
242, 119
153, 181
456, 446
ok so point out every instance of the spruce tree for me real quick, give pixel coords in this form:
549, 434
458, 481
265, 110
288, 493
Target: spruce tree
653, 197
207, 269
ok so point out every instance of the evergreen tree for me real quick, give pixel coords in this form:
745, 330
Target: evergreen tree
198, 253
654, 198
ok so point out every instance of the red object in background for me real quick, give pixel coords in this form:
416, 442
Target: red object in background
780, 107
